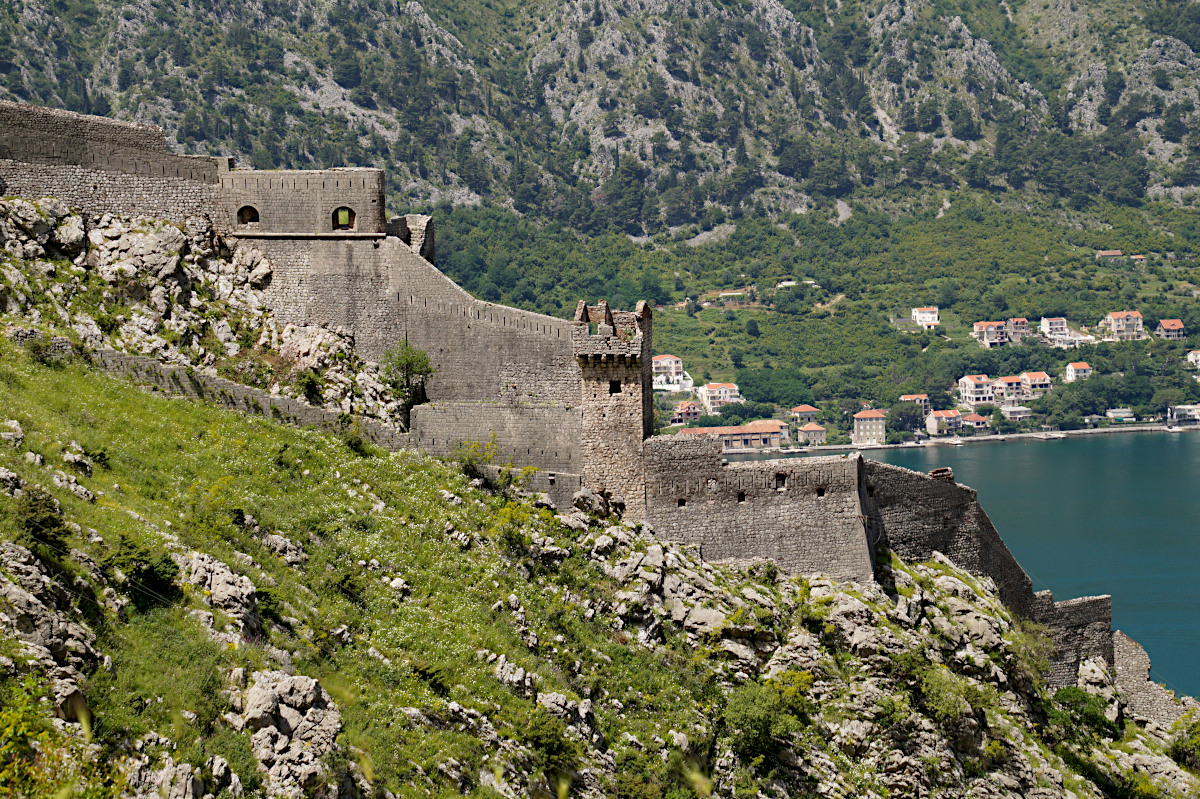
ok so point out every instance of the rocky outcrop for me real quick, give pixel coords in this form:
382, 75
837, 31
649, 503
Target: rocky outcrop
221, 588
37, 611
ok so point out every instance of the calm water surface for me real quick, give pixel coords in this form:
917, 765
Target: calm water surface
1111, 514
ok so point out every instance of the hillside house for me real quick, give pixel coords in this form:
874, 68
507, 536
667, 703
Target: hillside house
990, 334
685, 412
1183, 415
1053, 326
805, 413
1016, 413
1104, 254
869, 428
1007, 389
975, 390
1123, 326
928, 317
811, 433
1035, 384
715, 396
758, 434
1194, 358
1170, 329
917, 399
943, 422
974, 420
668, 375
1077, 370
1017, 329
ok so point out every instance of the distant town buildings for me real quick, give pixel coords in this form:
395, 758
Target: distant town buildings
1120, 414
1077, 370
715, 396
1007, 388
975, 390
996, 334
685, 412
917, 399
805, 413
811, 433
869, 427
668, 375
1170, 329
941, 422
927, 317
1016, 413
1123, 326
976, 421
753, 435
1183, 415
1052, 326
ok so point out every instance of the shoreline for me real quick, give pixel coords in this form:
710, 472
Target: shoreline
954, 441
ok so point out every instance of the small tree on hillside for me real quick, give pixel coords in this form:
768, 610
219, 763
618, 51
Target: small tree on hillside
405, 369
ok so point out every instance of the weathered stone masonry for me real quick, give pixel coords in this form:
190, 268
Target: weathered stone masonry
571, 398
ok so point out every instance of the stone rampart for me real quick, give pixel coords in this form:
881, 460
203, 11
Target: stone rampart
917, 515
303, 201
804, 514
1146, 701
1081, 629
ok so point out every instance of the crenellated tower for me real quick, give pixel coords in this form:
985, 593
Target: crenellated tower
613, 352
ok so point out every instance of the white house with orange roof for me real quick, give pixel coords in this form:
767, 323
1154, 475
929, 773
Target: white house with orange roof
805, 413
1017, 328
1077, 370
1007, 388
975, 390
715, 396
1053, 326
668, 374
917, 399
1170, 329
940, 422
1123, 326
869, 427
976, 421
1035, 384
990, 334
928, 317
811, 433
685, 412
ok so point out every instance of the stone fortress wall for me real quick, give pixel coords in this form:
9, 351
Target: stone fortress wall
570, 398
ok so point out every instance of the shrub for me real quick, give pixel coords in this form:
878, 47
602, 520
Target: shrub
758, 719
39, 517
150, 577
944, 694
1031, 648
1185, 746
310, 387
556, 754
1077, 717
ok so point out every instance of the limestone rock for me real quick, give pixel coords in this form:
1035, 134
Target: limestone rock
295, 724
223, 589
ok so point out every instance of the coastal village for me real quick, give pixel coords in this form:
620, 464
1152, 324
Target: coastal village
980, 404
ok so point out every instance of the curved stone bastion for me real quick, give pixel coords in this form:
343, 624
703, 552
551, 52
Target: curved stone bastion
569, 397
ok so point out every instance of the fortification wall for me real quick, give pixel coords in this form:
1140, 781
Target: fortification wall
303, 201
545, 436
1081, 629
917, 514
382, 292
1147, 701
804, 514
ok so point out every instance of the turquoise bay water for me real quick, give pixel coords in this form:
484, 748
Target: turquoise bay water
1111, 514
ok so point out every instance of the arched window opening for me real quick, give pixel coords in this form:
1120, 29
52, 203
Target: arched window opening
343, 219
247, 215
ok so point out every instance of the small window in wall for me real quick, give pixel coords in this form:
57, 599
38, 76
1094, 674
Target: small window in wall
780, 480
741, 496
343, 219
247, 215
550, 478
614, 386
820, 491
681, 502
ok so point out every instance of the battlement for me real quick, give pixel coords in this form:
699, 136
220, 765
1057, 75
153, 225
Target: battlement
316, 201
601, 334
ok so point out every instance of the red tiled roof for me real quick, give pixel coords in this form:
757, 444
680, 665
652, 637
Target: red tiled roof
1036, 375
1110, 253
1009, 379
974, 417
985, 325
977, 378
665, 357
1019, 319
1119, 314
813, 427
1079, 365
1171, 324
805, 409
945, 414
927, 308
872, 414
721, 385
686, 405
905, 397
757, 426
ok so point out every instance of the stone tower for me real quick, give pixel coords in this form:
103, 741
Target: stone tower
613, 352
